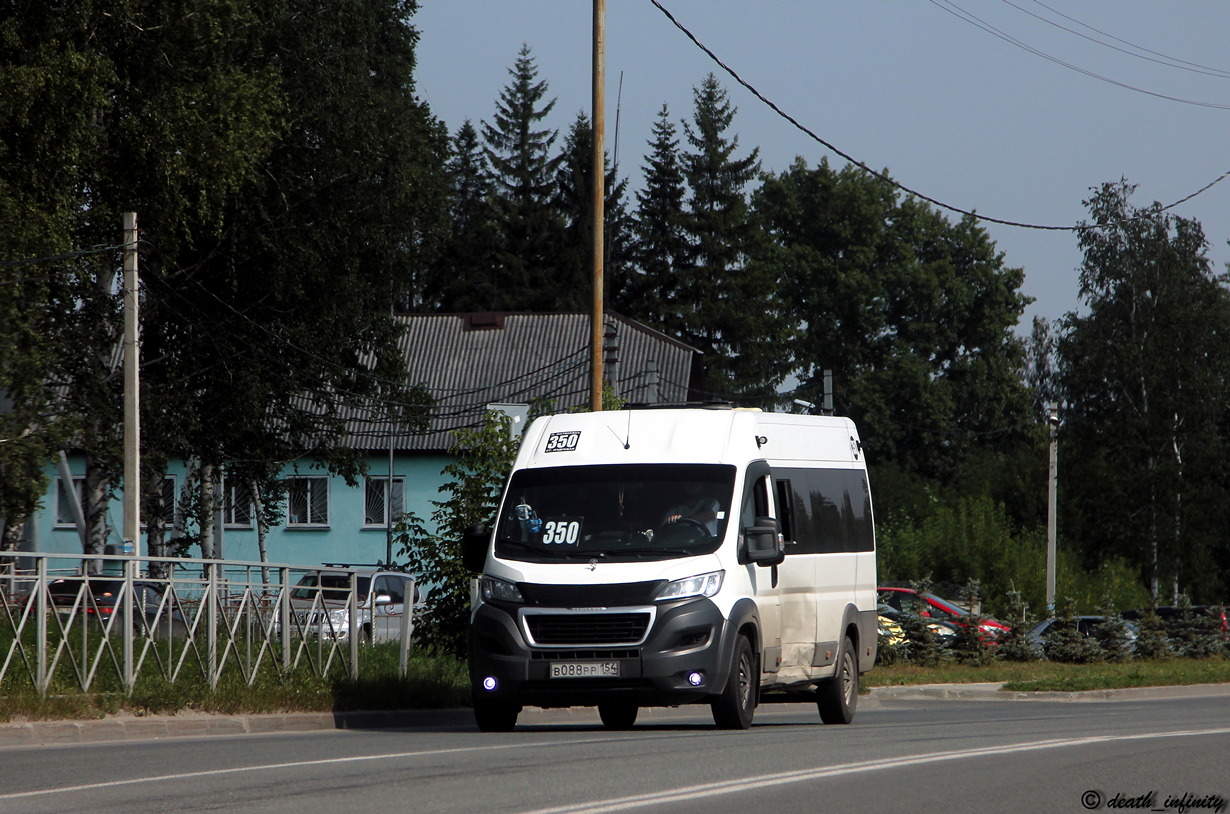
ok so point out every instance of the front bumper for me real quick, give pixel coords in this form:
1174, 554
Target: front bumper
683, 643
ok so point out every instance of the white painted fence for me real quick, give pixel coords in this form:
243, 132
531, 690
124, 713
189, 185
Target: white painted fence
102, 622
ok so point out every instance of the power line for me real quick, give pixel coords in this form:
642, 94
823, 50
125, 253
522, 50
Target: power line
882, 176
977, 22
1163, 59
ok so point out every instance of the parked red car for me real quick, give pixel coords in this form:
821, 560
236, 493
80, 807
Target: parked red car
907, 600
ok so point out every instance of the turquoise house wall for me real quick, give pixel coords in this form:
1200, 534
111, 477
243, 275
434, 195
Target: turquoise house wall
345, 538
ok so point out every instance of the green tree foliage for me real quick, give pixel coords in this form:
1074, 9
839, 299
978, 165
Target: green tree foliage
524, 168
1064, 642
1015, 645
660, 245
1113, 634
575, 200
728, 304
484, 457
1151, 641
465, 276
973, 538
1144, 376
914, 316
274, 157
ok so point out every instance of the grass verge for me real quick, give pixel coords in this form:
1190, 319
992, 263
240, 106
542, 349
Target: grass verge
1043, 676
430, 682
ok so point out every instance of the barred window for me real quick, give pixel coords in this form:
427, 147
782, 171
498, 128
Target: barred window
376, 501
64, 505
238, 505
307, 501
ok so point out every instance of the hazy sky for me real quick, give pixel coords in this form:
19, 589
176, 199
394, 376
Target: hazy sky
1012, 108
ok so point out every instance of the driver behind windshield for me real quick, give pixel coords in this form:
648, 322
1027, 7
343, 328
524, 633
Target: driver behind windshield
695, 505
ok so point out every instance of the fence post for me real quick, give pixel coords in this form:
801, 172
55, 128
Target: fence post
284, 615
128, 619
407, 629
40, 629
355, 627
211, 623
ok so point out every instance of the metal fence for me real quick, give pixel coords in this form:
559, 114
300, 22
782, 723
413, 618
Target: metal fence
106, 623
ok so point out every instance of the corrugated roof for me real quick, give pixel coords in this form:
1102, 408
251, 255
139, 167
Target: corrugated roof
468, 361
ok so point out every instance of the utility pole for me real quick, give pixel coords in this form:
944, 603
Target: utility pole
1052, 488
132, 392
599, 167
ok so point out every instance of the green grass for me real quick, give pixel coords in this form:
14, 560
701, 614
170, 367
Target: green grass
431, 682
1043, 676
434, 682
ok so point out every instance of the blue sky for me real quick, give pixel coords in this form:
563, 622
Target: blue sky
1014, 114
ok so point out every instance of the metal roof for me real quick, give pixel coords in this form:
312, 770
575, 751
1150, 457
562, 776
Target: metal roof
469, 361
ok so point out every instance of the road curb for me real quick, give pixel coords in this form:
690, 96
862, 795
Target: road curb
995, 692
50, 733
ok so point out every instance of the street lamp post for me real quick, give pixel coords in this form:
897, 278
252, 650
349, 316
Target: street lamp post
1052, 422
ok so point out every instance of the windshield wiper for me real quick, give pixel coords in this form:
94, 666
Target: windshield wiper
556, 553
653, 550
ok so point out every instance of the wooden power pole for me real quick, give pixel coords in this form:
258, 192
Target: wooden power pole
599, 102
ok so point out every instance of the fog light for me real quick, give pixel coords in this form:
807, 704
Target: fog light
696, 679
489, 683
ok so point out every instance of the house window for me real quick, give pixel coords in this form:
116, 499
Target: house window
64, 507
376, 502
307, 502
237, 505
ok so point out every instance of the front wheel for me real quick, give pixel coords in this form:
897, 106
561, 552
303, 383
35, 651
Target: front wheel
734, 708
495, 716
838, 696
617, 714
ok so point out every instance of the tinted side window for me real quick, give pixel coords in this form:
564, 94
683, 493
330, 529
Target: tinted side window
830, 510
794, 506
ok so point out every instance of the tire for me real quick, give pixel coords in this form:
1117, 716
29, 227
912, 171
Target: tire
618, 714
734, 708
495, 716
837, 697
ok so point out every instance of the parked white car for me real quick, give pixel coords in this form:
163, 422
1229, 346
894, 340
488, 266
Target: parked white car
320, 602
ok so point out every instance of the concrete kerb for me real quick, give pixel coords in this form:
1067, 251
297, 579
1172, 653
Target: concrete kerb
47, 733
995, 692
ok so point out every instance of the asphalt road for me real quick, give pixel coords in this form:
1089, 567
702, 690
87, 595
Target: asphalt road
916, 755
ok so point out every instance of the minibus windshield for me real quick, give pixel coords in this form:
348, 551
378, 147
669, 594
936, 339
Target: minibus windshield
615, 512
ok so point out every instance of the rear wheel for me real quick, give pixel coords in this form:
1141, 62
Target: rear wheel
617, 714
838, 696
734, 708
495, 716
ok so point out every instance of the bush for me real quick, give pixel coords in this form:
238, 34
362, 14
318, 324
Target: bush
1063, 641
1016, 644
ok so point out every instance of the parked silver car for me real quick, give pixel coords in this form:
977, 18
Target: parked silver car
320, 602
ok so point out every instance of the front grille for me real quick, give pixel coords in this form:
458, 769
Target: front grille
617, 594
595, 629
582, 655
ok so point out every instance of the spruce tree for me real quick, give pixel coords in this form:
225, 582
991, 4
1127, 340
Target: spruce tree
649, 291
520, 152
575, 201
464, 276
728, 303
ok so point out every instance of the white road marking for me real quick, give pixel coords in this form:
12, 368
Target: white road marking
686, 794
702, 791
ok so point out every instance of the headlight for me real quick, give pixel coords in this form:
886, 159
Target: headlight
340, 619
497, 590
700, 585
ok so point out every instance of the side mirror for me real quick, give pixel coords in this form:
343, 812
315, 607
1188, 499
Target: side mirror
383, 599
474, 548
763, 543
